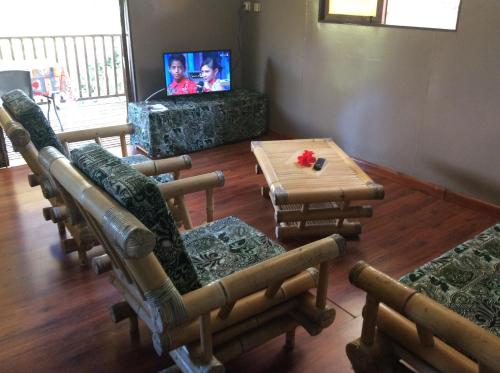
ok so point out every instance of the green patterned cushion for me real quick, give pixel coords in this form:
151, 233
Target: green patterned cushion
226, 246
466, 279
24, 110
140, 195
199, 256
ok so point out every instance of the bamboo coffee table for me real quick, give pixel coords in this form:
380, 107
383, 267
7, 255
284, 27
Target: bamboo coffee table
314, 203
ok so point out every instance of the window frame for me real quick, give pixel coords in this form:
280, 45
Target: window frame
378, 21
359, 20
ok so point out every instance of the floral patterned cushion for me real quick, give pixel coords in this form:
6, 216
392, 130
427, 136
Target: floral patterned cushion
466, 279
225, 246
25, 111
140, 195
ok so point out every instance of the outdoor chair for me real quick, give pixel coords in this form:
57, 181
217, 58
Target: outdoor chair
207, 294
29, 131
404, 324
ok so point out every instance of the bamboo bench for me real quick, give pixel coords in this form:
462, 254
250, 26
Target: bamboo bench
461, 333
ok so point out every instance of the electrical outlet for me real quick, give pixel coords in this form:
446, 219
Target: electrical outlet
247, 6
257, 7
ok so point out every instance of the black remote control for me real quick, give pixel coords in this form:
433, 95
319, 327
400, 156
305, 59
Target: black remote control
318, 165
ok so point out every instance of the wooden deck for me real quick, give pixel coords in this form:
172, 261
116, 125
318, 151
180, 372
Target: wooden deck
54, 314
82, 114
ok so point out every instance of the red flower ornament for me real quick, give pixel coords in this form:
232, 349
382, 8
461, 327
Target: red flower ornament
307, 158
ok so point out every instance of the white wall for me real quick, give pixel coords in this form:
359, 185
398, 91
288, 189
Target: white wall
426, 103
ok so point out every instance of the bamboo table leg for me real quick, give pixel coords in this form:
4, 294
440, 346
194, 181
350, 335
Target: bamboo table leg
345, 206
305, 209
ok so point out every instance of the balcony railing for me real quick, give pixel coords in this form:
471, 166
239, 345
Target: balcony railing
94, 63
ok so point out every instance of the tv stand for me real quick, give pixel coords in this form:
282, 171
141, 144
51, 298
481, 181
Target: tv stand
185, 124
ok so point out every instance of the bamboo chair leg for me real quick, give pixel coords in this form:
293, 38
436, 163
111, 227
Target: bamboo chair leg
69, 245
83, 258
365, 359
210, 205
122, 311
304, 210
67, 149
62, 229
321, 293
186, 219
264, 191
134, 327
290, 340
175, 212
370, 312
46, 213
123, 145
206, 338
345, 206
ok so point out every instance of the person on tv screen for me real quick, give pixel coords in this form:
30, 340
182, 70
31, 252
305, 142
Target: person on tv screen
180, 85
210, 68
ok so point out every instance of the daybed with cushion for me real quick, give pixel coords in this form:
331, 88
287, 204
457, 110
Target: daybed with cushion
29, 131
207, 294
443, 316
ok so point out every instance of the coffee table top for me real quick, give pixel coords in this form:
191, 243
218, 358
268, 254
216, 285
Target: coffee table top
340, 179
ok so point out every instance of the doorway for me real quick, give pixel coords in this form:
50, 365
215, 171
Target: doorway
74, 54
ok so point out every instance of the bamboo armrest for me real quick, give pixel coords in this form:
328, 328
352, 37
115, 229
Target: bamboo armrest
192, 184
16, 133
92, 133
426, 313
252, 279
162, 166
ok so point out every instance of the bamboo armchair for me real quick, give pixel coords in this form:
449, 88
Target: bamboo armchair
400, 323
63, 212
203, 327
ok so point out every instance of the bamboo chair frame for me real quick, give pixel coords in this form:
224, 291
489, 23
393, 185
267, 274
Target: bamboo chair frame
209, 326
63, 211
400, 323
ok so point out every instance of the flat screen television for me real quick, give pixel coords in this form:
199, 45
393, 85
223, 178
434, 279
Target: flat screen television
198, 72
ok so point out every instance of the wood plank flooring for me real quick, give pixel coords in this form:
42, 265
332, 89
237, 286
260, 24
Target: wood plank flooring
53, 314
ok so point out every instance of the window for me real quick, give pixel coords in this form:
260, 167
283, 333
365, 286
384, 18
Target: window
433, 14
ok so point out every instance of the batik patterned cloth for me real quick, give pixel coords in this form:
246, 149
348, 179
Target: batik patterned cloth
140, 195
225, 246
25, 111
466, 279
193, 259
188, 124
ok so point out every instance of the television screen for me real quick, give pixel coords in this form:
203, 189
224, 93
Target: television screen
197, 72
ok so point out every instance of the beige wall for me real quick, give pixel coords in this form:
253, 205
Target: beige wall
158, 26
426, 103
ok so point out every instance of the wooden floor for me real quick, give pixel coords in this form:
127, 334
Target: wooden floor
53, 314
